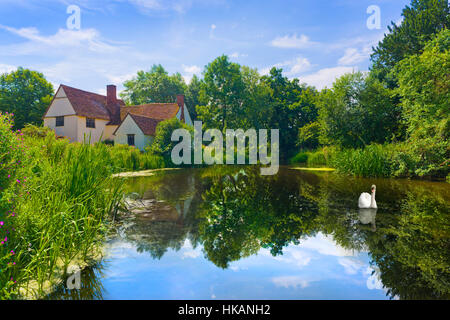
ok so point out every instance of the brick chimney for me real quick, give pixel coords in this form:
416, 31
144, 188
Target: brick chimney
112, 104
180, 102
111, 94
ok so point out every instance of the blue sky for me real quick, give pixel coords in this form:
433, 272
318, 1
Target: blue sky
313, 40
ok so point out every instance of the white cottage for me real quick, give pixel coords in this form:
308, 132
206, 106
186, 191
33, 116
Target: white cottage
80, 115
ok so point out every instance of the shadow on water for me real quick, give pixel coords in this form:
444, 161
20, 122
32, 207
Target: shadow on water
232, 213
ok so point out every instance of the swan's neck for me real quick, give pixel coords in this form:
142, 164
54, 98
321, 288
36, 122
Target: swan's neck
372, 200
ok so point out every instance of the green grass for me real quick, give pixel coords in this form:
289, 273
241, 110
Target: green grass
62, 205
372, 161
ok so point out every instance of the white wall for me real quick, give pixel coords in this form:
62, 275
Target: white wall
70, 129
60, 106
128, 126
94, 133
187, 116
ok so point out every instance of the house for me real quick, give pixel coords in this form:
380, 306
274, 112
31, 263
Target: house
85, 116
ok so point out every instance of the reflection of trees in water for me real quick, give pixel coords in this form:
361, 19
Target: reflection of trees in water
234, 214
243, 212
409, 241
413, 253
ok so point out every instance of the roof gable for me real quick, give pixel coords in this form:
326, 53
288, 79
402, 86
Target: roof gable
146, 124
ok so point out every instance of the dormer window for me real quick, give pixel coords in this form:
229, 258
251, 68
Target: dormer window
60, 121
90, 123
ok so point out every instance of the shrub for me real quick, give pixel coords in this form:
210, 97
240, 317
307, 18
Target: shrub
300, 157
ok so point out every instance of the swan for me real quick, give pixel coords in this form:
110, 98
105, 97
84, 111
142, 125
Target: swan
366, 200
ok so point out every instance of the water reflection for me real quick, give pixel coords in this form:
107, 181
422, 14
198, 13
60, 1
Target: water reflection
284, 236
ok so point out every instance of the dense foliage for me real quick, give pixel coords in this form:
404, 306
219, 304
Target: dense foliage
26, 94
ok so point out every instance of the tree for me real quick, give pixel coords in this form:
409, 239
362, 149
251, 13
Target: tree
357, 111
291, 107
163, 144
424, 85
422, 20
153, 86
221, 94
192, 95
25, 93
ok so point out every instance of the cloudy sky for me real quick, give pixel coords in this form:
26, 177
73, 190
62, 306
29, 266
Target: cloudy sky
313, 40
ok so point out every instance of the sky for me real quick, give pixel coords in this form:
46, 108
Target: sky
312, 40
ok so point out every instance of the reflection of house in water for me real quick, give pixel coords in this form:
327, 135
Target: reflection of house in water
163, 218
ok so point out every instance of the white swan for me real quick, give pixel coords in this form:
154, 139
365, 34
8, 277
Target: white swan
366, 200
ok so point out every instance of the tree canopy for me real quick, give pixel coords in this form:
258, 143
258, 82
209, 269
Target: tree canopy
155, 85
26, 94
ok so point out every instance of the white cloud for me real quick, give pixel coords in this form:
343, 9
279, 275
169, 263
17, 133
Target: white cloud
189, 251
238, 55
354, 56
292, 42
192, 69
373, 281
325, 77
290, 281
64, 39
291, 67
351, 266
326, 245
6, 68
294, 256
80, 58
121, 78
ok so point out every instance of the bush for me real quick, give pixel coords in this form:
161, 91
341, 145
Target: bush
300, 157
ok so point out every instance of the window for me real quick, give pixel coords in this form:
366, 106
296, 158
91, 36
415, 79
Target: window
130, 139
60, 121
90, 123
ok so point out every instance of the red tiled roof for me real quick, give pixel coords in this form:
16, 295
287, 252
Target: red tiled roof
146, 124
159, 111
92, 105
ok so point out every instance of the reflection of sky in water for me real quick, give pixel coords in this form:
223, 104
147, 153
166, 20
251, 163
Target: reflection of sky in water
315, 269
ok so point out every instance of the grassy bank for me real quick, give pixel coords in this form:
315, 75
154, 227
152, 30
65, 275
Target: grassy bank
56, 202
388, 160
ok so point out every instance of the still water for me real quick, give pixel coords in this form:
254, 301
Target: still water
227, 233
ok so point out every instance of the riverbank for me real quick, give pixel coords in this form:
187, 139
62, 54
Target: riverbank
388, 161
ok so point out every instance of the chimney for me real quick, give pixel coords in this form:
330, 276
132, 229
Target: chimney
111, 94
180, 102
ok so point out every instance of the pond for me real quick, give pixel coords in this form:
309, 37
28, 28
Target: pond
230, 233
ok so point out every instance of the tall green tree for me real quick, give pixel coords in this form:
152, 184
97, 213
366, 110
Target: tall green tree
357, 111
221, 95
421, 21
424, 86
291, 106
153, 86
25, 93
193, 95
